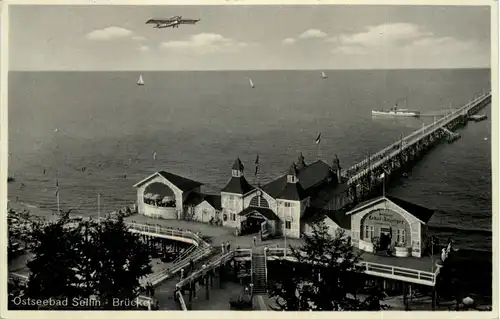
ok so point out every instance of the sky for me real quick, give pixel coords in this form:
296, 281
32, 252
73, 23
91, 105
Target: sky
101, 38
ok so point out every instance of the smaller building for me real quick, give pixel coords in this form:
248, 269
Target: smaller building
163, 195
391, 224
204, 208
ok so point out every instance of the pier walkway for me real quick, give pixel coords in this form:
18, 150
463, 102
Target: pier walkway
397, 155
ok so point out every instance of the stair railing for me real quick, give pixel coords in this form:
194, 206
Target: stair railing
265, 263
251, 269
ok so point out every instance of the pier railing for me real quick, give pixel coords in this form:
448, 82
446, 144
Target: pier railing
359, 169
156, 229
211, 265
370, 268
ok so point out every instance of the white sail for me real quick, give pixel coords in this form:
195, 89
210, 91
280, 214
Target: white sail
251, 83
140, 81
323, 75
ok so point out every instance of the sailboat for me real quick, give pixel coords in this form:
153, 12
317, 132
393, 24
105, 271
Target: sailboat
140, 81
323, 75
251, 83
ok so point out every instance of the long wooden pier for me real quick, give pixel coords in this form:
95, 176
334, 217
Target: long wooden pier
378, 168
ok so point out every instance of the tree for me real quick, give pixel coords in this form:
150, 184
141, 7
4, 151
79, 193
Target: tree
326, 275
121, 260
79, 260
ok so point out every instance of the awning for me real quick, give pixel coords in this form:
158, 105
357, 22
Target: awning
265, 212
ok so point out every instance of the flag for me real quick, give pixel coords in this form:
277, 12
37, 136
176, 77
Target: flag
318, 139
382, 176
154, 156
256, 164
57, 188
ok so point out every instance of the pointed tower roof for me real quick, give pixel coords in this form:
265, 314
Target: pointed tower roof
336, 163
301, 163
238, 165
238, 183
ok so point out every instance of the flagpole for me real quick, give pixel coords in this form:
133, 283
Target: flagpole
57, 194
98, 207
58, 209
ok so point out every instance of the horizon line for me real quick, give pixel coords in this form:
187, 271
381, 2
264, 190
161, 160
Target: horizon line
260, 70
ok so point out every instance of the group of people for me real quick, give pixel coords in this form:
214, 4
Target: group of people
226, 247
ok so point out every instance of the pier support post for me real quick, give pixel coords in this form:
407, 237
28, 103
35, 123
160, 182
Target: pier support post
220, 269
207, 286
190, 302
433, 298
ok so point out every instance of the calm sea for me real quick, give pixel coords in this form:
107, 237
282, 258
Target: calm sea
199, 122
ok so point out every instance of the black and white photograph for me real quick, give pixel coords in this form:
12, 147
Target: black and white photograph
253, 157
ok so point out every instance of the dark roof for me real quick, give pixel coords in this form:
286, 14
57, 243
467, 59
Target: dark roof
422, 213
238, 185
313, 174
184, 184
292, 191
309, 176
266, 212
194, 199
312, 215
214, 200
325, 196
238, 165
339, 217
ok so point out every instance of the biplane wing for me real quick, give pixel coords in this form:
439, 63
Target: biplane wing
188, 21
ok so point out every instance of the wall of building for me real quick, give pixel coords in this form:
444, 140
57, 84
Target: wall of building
145, 209
159, 212
386, 214
289, 211
231, 204
203, 212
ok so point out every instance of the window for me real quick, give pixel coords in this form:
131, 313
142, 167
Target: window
287, 204
233, 217
369, 230
288, 224
401, 236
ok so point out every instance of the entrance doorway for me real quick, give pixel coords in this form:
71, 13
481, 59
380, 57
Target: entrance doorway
252, 224
385, 237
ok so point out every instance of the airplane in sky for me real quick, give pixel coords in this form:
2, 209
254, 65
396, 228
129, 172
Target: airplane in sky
172, 22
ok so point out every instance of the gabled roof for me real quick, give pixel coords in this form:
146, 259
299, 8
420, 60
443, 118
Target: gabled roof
184, 184
214, 200
292, 191
339, 217
309, 176
421, 213
266, 212
237, 185
195, 199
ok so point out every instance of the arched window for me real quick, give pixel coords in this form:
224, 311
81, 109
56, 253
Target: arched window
259, 201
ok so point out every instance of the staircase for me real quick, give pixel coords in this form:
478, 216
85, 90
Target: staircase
259, 278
